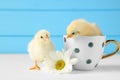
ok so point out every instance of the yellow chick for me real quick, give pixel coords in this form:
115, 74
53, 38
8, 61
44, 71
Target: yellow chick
82, 28
40, 47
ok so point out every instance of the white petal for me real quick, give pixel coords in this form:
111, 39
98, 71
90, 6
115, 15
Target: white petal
59, 55
67, 69
50, 63
45, 69
74, 61
67, 60
68, 53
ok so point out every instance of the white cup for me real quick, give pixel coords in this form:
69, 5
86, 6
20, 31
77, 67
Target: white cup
88, 49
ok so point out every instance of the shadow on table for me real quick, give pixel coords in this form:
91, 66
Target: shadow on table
102, 68
108, 68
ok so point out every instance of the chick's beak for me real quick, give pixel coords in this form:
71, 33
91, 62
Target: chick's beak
69, 36
47, 37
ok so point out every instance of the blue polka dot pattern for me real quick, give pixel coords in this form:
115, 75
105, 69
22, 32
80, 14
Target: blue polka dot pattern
76, 50
90, 44
88, 61
103, 44
64, 39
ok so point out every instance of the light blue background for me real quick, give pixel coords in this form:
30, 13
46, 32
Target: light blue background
21, 19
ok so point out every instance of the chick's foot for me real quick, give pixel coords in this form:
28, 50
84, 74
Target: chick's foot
36, 67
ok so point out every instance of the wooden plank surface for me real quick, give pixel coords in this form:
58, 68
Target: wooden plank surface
59, 4
21, 19
28, 23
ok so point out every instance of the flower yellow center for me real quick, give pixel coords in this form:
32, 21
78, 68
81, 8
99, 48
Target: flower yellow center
60, 64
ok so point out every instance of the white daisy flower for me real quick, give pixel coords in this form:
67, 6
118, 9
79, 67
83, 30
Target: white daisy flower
59, 62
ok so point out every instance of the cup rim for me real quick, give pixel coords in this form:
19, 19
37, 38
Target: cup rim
87, 36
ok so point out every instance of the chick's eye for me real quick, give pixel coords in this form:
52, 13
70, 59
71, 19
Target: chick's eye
73, 33
41, 37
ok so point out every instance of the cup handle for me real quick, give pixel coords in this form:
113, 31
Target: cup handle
115, 52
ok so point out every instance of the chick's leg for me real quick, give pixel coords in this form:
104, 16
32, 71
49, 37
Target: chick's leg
35, 67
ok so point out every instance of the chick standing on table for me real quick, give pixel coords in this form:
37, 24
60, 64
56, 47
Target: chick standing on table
39, 48
82, 28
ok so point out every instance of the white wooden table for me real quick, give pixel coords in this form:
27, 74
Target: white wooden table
15, 67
